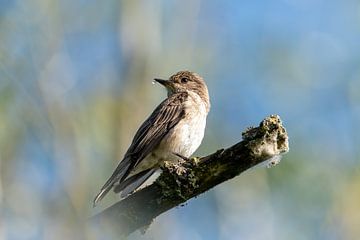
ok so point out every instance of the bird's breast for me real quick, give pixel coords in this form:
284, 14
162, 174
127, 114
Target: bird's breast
187, 135
184, 138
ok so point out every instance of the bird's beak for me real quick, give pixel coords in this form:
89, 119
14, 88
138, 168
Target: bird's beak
166, 83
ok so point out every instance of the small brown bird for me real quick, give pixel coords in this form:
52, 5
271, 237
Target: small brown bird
174, 130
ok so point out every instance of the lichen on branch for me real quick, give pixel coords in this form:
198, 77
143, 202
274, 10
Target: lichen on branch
184, 180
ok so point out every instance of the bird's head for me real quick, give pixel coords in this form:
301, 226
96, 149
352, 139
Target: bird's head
186, 81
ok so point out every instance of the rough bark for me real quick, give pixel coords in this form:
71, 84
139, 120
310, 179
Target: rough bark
185, 180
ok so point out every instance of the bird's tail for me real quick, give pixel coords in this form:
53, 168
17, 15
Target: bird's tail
137, 181
101, 195
117, 175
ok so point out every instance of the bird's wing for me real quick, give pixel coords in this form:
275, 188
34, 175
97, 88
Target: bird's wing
152, 131
149, 135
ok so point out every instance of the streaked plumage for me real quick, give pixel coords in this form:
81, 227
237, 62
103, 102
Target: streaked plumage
176, 126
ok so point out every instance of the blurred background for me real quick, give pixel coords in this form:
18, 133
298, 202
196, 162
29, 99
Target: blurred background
75, 84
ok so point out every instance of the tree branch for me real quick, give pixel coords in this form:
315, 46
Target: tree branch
187, 179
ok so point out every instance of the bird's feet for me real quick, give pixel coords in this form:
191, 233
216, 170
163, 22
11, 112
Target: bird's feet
194, 160
186, 159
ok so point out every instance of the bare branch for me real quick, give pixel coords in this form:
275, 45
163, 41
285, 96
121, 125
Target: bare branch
185, 180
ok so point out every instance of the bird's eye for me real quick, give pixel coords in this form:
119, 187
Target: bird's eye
184, 80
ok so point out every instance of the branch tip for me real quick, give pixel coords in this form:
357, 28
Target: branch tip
184, 180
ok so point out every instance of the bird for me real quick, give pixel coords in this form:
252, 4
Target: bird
173, 131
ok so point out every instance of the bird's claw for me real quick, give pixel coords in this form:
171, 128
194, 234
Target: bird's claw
182, 157
194, 160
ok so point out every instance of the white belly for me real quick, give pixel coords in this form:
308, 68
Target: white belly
183, 139
186, 137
